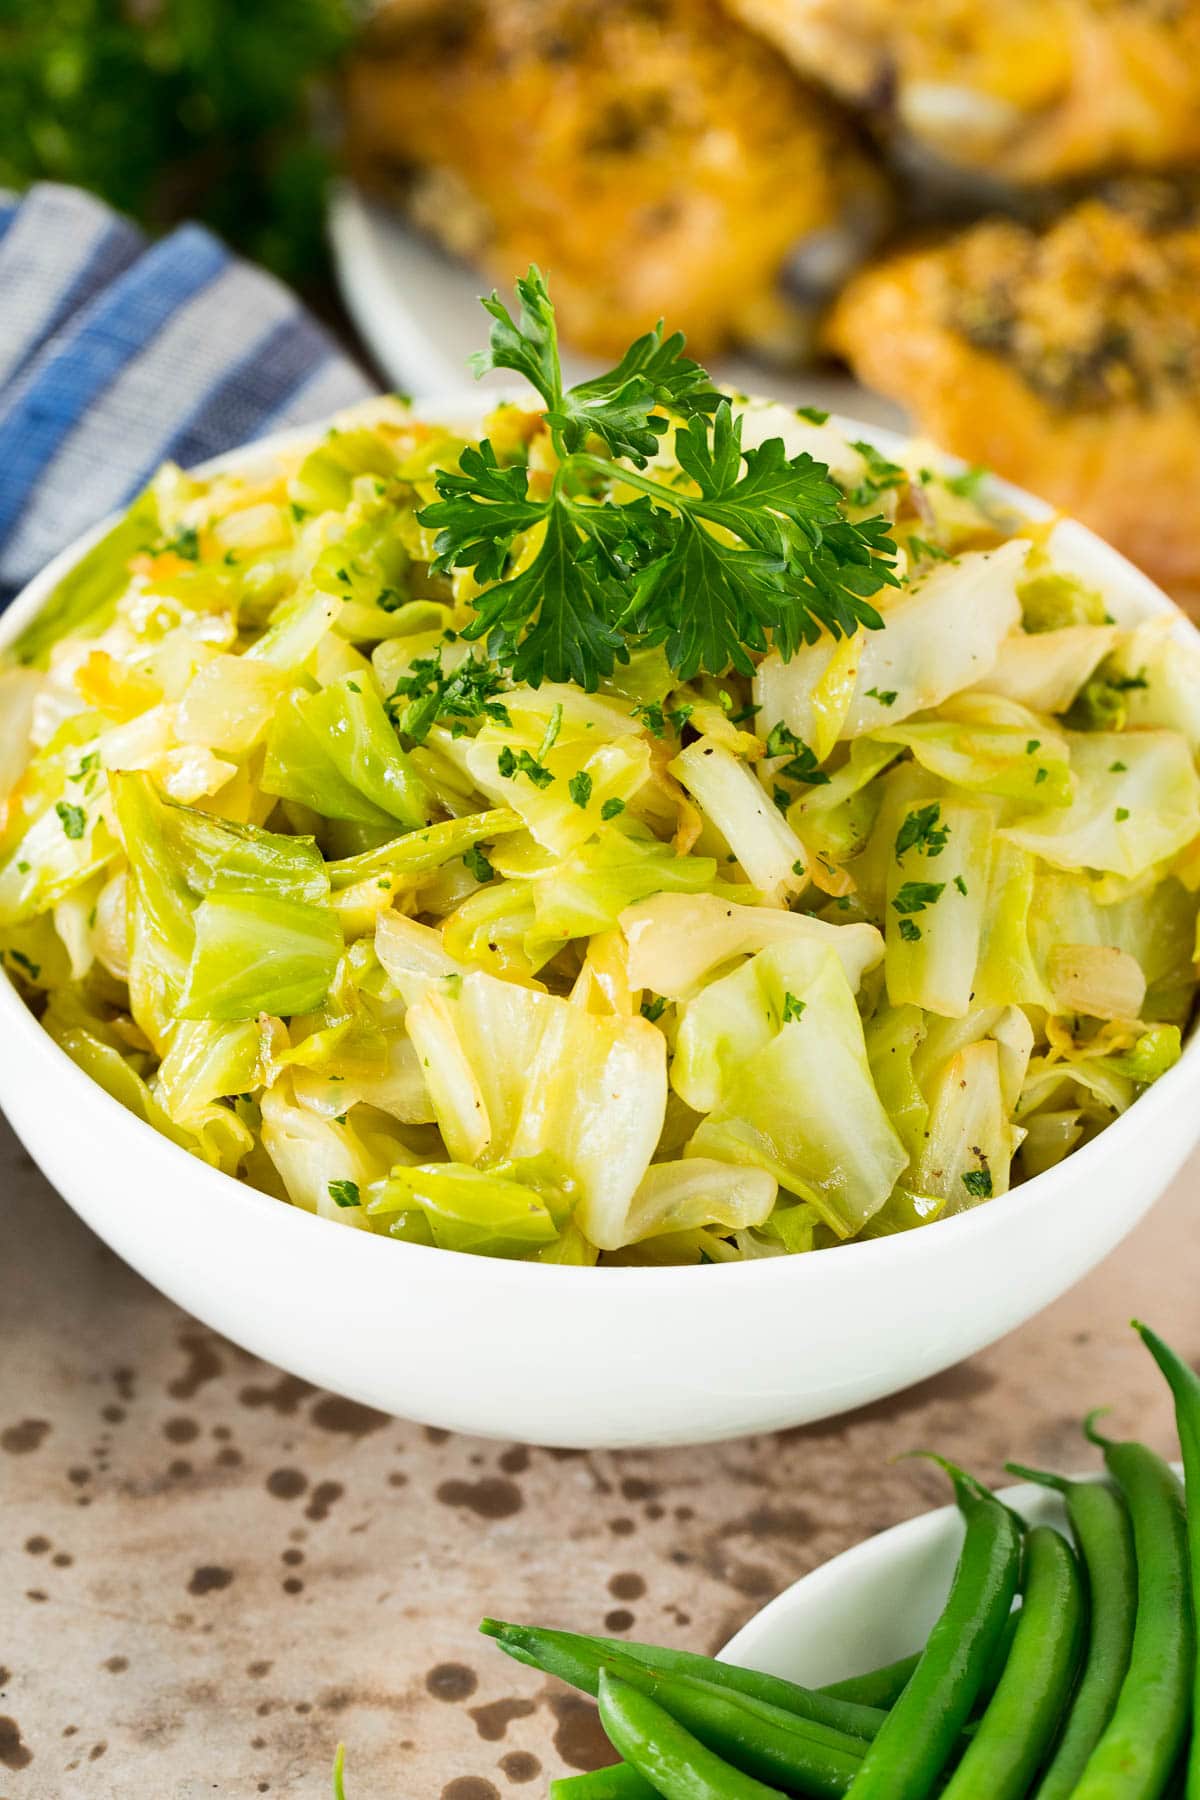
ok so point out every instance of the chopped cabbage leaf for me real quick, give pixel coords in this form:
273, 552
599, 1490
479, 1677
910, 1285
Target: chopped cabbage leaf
774, 1054
515, 1073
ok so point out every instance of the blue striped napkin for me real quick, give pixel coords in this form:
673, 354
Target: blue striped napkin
116, 354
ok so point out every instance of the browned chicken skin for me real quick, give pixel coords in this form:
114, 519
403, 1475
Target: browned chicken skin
1019, 91
655, 158
1066, 359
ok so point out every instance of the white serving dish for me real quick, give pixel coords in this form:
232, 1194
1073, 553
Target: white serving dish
586, 1357
873, 1604
877, 1601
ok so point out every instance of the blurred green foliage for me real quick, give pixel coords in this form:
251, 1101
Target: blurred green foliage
179, 108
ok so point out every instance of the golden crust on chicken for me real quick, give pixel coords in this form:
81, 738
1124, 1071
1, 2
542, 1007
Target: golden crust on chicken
1066, 359
651, 155
1019, 90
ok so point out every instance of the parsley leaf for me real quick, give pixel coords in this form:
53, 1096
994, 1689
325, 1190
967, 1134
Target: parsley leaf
345, 1193
910, 931
753, 548
73, 818
792, 1008
915, 896
885, 696
612, 808
978, 1183
580, 787
618, 406
654, 1009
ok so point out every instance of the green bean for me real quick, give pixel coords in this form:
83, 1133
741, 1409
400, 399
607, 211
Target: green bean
1024, 1712
619, 1782
578, 1660
1185, 1387
1100, 1523
756, 1737
667, 1755
913, 1745
1146, 1732
880, 1687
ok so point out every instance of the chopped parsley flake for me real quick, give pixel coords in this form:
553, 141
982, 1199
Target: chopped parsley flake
960, 884
921, 831
978, 1183
915, 896
1040, 774
580, 787
344, 1193
185, 543
651, 714
74, 819
1121, 814
32, 969
612, 808
792, 1008
814, 414
910, 931
926, 552
802, 765
510, 763
1117, 768
966, 485
654, 1009
428, 693
881, 475
477, 863
885, 696
1032, 745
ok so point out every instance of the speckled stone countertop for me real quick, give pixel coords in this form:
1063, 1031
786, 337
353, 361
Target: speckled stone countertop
211, 1573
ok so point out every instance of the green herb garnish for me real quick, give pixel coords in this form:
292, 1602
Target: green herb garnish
915, 896
921, 831
750, 543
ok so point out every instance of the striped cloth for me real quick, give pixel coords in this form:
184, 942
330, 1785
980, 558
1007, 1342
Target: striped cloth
116, 354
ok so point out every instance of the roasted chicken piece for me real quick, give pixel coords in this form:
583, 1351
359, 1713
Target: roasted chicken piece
654, 157
1067, 359
1019, 91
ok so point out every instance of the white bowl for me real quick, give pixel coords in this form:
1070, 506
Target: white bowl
873, 1604
590, 1357
876, 1602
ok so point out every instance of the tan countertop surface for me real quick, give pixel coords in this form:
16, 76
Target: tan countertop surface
210, 1573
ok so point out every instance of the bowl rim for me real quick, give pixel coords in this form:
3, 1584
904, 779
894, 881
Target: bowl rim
461, 406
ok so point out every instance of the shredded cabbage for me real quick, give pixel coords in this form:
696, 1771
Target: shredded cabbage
670, 972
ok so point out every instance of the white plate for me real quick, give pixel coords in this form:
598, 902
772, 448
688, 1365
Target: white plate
417, 309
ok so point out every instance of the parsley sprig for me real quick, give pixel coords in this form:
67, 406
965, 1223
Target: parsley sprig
741, 549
